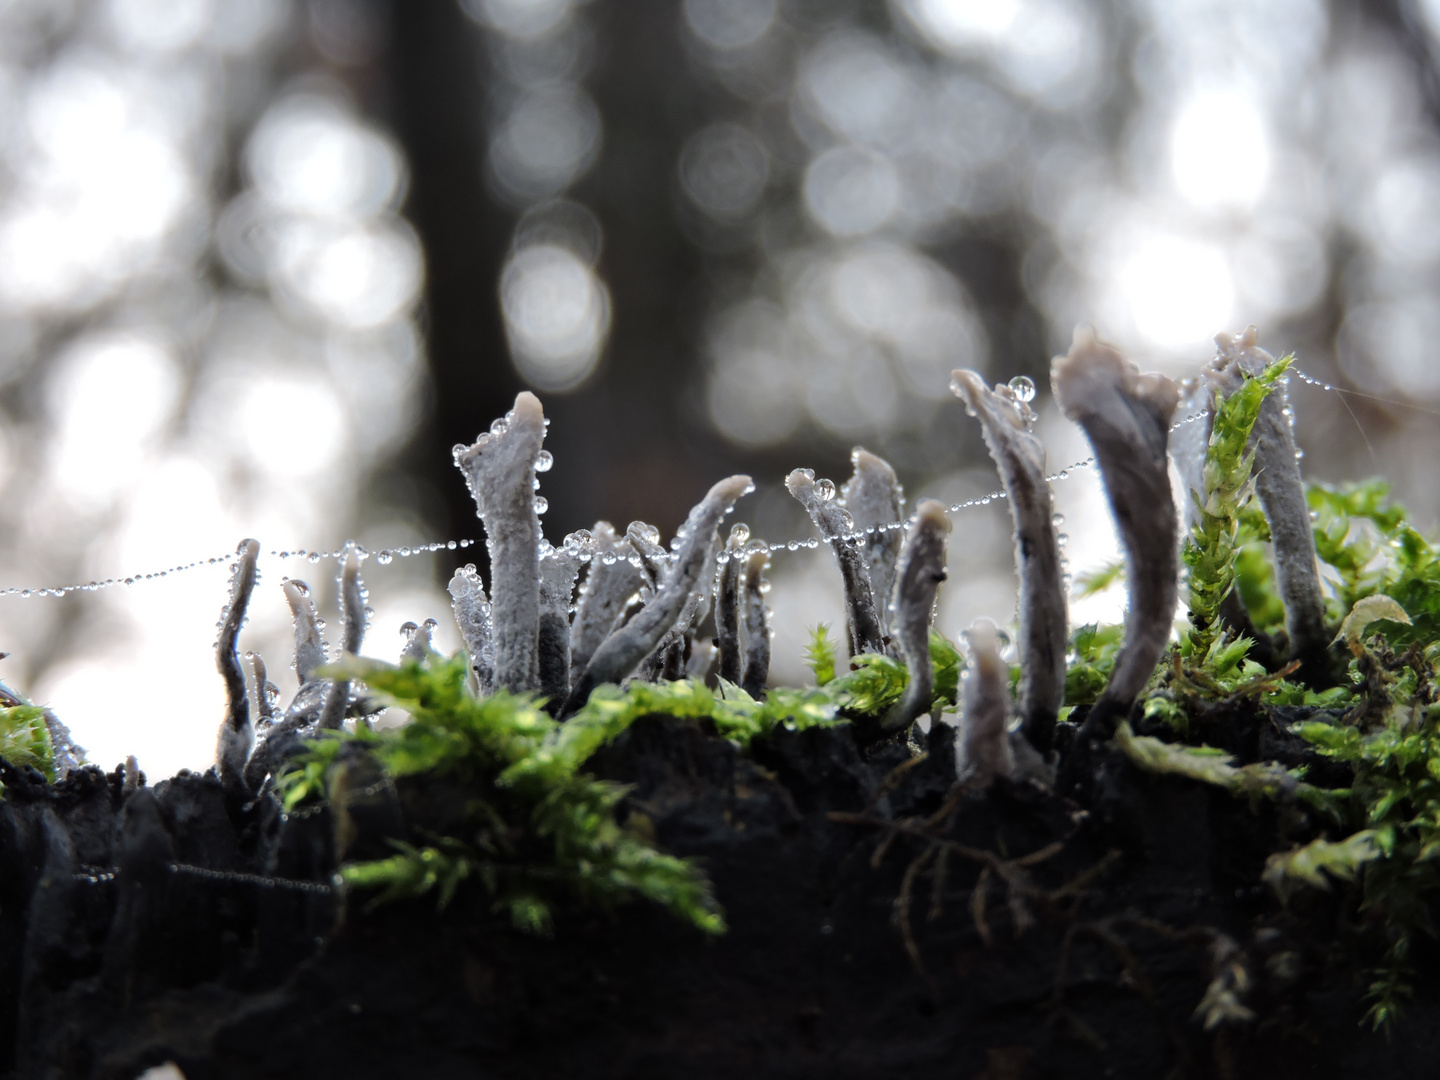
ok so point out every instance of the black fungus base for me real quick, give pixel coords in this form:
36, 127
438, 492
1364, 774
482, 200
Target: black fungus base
232, 978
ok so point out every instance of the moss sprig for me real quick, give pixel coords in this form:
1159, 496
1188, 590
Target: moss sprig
1212, 548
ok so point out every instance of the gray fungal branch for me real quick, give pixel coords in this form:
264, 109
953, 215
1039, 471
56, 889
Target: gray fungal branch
727, 604
353, 618
1126, 417
620, 653
862, 621
983, 752
875, 500
419, 641
262, 692
558, 570
471, 609
1044, 615
921, 570
1282, 495
757, 620
644, 540
610, 582
237, 735
500, 469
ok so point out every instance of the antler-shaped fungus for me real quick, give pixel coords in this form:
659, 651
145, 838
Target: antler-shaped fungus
619, 653
353, 619
862, 623
1282, 495
1044, 616
500, 469
472, 617
609, 584
757, 620
875, 499
983, 751
727, 604
419, 641
237, 735
921, 570
558, 571
1126, 417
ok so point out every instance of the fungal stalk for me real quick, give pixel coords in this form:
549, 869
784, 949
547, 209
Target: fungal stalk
876, 501
1126, 417
921, 570
727, 604
500, 470
757, 620
1006, 421
558, 571
265, 692
862, 623
472, 617
237, 734
353, 617
983, 751
1282, 496
619, 653
419, 644
310, 650
609, 584
645, 541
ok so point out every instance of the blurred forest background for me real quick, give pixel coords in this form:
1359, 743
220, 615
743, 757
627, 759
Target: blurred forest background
263, 262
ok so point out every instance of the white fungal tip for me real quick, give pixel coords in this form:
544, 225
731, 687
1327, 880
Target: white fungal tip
930, 513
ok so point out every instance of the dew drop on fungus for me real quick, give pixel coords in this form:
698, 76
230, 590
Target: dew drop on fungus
1023, 387
544, 460
825, 489
739, 534
541, 504
1057, 519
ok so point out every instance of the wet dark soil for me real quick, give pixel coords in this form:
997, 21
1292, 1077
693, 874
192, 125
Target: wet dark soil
881, 924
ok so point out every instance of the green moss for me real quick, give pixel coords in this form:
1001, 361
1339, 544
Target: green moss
25, 741
1212, 549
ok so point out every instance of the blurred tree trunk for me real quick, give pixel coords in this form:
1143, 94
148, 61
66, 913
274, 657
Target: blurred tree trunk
438, 70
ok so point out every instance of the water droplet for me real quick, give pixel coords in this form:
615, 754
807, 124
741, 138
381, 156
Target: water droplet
1023, 387
544, 461
541, 504
580, 542
1057, 519
806, 474
793, 545
1064, 474
451, 545
739, 533
652, 533
1299, 454
757, 547
825, 489
384, 558
607, 560
535, 484
1062, 539
314, 556
498, 426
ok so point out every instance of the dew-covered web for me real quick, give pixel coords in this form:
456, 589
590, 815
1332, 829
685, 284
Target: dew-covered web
581, 543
